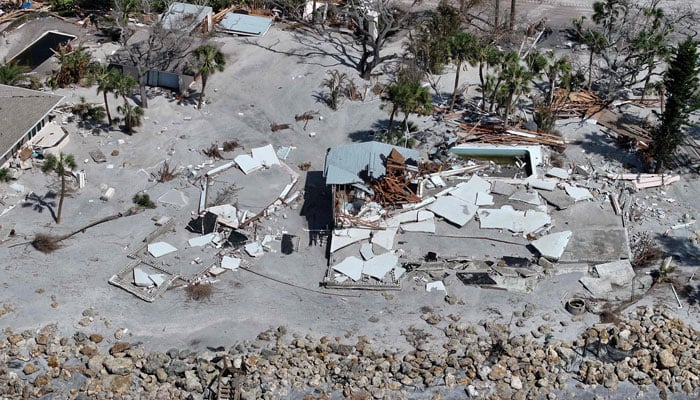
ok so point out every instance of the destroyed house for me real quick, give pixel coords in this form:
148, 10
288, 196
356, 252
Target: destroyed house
23, 114
188, 17
368, 178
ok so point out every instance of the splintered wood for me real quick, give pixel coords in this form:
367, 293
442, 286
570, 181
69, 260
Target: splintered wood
499, 134
575, 104
394, 187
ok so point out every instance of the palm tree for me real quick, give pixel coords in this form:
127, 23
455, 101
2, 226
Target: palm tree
484, 55
107, 80
132, 116
516, 78
12, 73
61, 165
594, 40
408, 97
461, 47
209, 61
124, 86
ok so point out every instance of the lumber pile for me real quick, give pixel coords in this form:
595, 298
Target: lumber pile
575, 104
616, 123
394, 187
498, 134
643, 181
221, 14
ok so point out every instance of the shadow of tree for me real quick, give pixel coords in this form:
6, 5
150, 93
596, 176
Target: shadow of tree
598, 143
684, 252
40, 203
690, 293
314, 48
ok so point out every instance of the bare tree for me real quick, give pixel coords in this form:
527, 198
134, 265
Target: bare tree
164, 48
635, 39
375, 22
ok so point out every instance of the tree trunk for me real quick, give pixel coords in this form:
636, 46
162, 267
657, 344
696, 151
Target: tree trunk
483, 86
646, 80
63, 194
201, 94
590, 69
454, 92
109, 116
497, 13
313, 13
508, 105
662, 98
552, 87
391, 119
511, 23
142, 91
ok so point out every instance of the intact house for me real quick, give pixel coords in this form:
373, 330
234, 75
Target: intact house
24, 117
368, 178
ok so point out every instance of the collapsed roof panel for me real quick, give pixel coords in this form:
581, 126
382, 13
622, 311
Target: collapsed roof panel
352, 163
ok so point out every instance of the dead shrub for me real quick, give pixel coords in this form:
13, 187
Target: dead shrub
279, 127
645, 251
231, 145
166, 174
46, 243
304, 166
199, 291
352, 92
213, 152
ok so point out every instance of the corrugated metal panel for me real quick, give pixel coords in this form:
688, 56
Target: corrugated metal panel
348, 164
245, 24
163, 79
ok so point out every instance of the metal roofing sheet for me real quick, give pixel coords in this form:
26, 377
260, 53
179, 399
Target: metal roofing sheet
345, 164
245, 24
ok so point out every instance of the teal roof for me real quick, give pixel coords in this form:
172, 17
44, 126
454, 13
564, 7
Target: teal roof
354, 162
245, 24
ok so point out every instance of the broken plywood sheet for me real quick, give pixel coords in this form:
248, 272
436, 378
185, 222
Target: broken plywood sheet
350, 267
557, 198
427, 226
578, 193
453, 209
503, 188
141, 278
201, 240
378, 266
366, 251
158, 279
231, 263
526, 197
541, 184
254, 249
552, 246
159, 249
597, 245
558, 173
346, 237
265, 156
385, 238
437, 286
617, 272
513, 220
468, 191
247, 164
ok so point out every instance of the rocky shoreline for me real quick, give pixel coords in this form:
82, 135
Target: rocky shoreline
652, 346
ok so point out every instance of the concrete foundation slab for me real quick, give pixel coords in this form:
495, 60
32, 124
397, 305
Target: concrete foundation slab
597, 245
502, 188
557, 198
